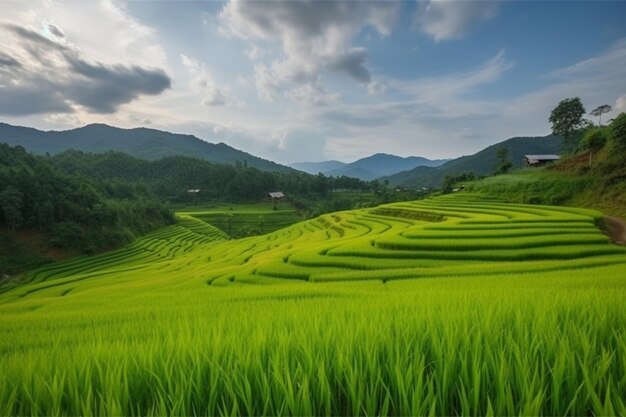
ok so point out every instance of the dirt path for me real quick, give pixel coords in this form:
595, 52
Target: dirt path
616, 229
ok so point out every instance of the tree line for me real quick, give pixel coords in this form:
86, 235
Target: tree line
171, 178
75, 211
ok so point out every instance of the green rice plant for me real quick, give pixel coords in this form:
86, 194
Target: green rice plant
494, 309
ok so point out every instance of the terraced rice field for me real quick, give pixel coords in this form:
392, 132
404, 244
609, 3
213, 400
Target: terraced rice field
239, 220
460, 304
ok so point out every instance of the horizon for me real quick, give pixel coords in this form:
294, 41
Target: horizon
312, 81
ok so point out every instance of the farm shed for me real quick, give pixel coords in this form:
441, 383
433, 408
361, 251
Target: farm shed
539, 160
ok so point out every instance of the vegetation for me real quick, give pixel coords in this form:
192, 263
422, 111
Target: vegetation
76, 213
618, 130
567, 119
479, 164
504, 164
599, 111
242, 220
170, 178
142, 143
593, 177
519, 310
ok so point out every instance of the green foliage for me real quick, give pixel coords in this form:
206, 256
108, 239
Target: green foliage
618, 130
504, 164
451, 180
594, 139
518, 310
599, 111
481, 163
15, 256
11, 204
170, 178
86, 214
567, 118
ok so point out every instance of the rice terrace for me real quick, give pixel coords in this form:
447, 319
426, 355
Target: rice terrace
389, 310
312, 208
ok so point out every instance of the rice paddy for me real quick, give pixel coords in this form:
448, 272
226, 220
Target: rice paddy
455, 305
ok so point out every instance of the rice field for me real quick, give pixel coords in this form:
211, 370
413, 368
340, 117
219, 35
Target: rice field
456, 305
241, 220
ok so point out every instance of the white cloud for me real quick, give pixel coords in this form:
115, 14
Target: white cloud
314, 37
453, 19
440, 117
620, 105
202, 80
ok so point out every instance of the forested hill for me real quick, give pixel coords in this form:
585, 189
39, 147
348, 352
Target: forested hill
170, 178
79, 202
57, 211
140, 142
481, 163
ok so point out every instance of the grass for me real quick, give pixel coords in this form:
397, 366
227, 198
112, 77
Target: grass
242, 220
186, 322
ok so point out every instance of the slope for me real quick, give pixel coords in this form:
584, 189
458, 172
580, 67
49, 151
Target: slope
596, 181
480, 163
454, 235
519, 310
140, 142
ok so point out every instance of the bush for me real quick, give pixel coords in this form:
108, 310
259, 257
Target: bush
618, 130
594, 139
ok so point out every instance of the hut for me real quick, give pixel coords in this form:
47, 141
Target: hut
539, 160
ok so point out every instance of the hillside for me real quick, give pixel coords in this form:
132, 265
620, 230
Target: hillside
573, 181
47, 213
446, 306
368, 168
481, 163
140, 142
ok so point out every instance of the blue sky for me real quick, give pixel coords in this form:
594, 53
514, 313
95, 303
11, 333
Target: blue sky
312, 80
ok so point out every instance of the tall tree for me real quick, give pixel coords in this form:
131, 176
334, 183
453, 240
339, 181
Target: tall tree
599, 111
11, 203
504, 164
567, 119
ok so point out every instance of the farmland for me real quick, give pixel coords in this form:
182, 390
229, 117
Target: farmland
459, 304
240, 220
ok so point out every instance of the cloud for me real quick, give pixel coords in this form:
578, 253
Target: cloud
620, 105
453, 19
46, 76
314, 37
55, 30
353, 64
7, 61
202, 80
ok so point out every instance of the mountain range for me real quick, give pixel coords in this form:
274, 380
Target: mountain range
369, 168
154, 144
480, 163
139, 142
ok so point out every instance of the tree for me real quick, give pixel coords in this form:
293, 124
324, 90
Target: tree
618, 130
504, 164
11, 204
599, 111
594, 140
566, 119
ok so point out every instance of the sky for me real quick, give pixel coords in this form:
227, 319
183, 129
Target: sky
304, 80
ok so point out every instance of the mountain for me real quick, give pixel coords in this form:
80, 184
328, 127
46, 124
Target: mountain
140, 142
480, 163
368, 168
317, 167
